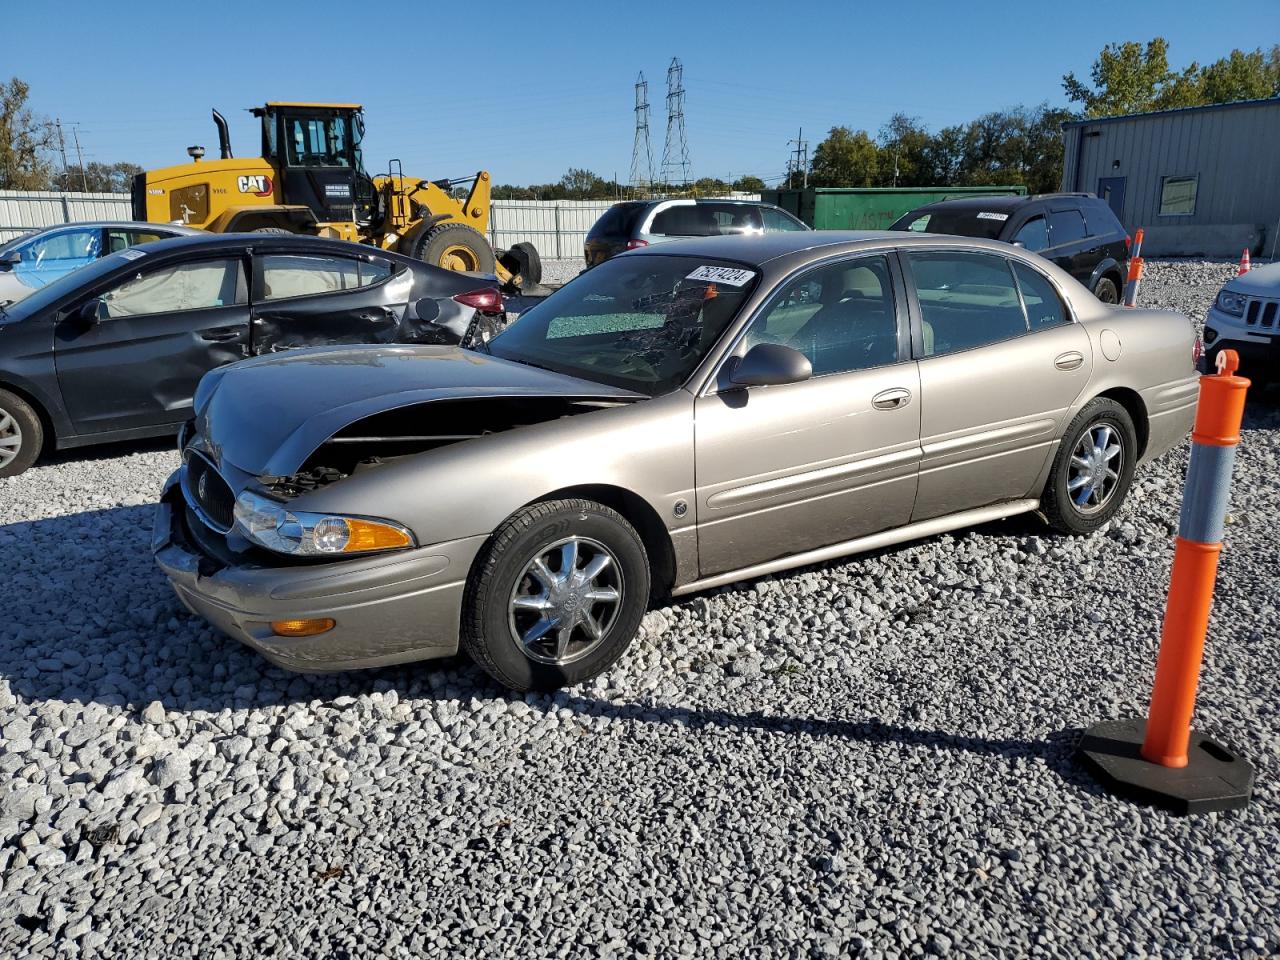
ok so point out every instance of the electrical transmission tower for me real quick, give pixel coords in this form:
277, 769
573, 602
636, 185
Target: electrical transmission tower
798, 159
675, 154
641, 152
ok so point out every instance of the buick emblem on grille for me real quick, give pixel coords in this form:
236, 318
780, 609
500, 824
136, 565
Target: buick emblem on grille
202, 487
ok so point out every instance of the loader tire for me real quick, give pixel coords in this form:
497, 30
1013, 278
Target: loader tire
271, 230
455, 246
523, 261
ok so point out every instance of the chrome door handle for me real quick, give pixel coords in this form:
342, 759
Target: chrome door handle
1069, 360
891, 399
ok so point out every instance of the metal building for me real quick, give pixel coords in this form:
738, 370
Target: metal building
1199, 181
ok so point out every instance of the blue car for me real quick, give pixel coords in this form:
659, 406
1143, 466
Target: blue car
36, 259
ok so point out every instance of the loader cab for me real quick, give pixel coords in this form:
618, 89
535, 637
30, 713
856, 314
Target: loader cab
316, 149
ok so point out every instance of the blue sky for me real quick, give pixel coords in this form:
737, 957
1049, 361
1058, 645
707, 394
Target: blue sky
527, 90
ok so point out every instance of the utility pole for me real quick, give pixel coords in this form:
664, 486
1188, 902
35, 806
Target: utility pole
798, 159
62, 148
84, 179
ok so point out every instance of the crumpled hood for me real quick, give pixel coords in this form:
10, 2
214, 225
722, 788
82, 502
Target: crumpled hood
1258, 282
265, 416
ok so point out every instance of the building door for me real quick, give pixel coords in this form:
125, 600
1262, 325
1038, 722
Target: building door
1111, 190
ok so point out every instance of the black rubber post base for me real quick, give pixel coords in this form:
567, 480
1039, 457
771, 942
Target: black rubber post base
1213, 779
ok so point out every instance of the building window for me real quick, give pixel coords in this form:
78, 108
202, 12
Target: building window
1178, 196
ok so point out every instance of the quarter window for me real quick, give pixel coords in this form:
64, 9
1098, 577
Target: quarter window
1044, 307
1033, 235
291, 275
1067, 226
967, 300
184, 286
1178, 196
776, 221
841, 316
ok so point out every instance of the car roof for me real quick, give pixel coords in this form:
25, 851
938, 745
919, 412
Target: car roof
103, 224
1004, 203
216, 241
757, 249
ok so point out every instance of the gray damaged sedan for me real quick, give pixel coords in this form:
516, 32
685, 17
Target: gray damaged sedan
678, 418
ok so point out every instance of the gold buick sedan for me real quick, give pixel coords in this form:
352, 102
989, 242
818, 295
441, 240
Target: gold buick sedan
679, 417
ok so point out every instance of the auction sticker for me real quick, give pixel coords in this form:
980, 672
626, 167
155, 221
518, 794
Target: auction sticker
729, 275
133, 254
993, 216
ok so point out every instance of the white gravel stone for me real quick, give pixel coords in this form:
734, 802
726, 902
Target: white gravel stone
872, 757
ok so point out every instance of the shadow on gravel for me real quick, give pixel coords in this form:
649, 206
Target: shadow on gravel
108, 451
1056, 751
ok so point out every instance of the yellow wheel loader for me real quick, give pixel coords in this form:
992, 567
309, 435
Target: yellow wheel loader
310, 178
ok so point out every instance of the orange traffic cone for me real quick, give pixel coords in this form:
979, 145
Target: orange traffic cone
1244, 263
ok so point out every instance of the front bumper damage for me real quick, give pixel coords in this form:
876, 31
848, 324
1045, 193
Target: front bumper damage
388, 609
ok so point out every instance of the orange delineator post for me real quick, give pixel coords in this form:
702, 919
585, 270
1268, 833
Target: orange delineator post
1130, 298
1195, 563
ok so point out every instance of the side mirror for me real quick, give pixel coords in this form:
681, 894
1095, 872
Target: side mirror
93, 311
10, 259
769, 364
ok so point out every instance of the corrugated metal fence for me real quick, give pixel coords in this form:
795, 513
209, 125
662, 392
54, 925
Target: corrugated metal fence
21, 210
556, 227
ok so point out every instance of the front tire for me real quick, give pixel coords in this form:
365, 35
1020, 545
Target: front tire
1092, 470
21, 435
556, 595
456, 246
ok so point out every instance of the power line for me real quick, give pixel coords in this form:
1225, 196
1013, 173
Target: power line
641, 153
676, 141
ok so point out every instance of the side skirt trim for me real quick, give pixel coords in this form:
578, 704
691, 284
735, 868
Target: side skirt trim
912, 531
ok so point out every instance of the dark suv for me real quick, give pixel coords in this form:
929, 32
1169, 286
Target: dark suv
638, 223
1077, 231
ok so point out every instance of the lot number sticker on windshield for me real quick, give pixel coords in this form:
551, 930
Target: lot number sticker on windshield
132, 254
729, 275
993, 216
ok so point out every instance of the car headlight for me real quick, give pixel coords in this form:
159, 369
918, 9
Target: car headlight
270, 524
1232, 303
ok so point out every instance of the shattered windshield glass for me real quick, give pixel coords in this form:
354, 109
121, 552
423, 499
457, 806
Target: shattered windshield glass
642, 323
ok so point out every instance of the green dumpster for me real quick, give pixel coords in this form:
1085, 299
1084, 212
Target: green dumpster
868, 208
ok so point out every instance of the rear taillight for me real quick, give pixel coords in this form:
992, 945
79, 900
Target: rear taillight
1128, 242
488, 300
1197, 351
636, 244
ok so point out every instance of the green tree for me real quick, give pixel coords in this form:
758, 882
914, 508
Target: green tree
97, 177
1131, 78
748, 184
904, 143
845, 159
25, 140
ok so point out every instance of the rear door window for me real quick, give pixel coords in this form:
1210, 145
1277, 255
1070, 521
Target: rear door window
706, 220
967, 300
1100, 219
294, 275
1065, 226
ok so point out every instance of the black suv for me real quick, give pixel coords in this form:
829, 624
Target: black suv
1077, 231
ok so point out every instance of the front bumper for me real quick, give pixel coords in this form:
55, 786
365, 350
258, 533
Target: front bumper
388, 609
1259, 348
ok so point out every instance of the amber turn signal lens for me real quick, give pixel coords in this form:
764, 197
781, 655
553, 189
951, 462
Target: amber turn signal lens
366, 535
302, 628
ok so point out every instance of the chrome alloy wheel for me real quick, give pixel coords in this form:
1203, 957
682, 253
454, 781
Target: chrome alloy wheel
1095, 467
566, 600
10, 438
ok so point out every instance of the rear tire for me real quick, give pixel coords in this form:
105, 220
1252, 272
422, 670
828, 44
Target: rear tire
21, 434
1088, 483
1106, 291
523, 260
525, 587
271, 230
456, 246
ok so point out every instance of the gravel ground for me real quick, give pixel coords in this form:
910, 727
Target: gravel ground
870, 757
